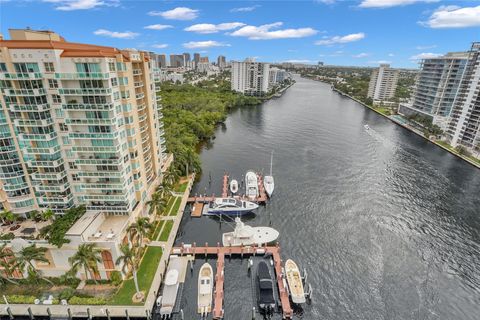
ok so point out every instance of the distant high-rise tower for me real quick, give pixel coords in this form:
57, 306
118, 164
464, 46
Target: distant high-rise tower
196, 59
383, 83
221, 62
250, 77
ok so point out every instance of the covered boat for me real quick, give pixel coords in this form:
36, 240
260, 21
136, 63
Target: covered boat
251, 185
264, 287
247, 235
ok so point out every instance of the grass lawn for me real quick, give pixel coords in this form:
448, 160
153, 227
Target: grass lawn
170, 203
176, 207
384, 111
166, 231
182, 187
157, 230
145, 273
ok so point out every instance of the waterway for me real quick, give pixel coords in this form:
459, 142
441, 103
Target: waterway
387, 224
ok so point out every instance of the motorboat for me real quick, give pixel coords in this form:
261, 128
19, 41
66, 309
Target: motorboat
230, 206
205, 288
295, 282
367, 127
268, 181
234, 186
169, 292
251, 185
244, 235
264, 287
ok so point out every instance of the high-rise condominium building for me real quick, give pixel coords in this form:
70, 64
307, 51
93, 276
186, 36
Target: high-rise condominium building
79, 124
186, 57
162, 60
464, 126
250, 77
177, 60
221, 62
196, 59
436, 87
383, 83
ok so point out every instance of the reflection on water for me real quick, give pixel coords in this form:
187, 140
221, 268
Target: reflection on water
387, 224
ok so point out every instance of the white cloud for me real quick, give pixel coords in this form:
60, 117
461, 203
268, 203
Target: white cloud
160, 46
426, 47
71, 5
341, 39
327, 1
380, 62
454, 17
265, 32
213, 28
390, 3
204, 44
158, 27
116, 34
179, 13
298, 61
245, 9
361, 55
391, 55
425, 55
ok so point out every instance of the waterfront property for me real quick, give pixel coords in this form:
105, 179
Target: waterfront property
250, 77
383, 83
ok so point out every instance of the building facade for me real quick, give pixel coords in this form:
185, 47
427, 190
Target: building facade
437, 87
250, 77
221, 62
383, 83
464, 126
177, 60
80, 125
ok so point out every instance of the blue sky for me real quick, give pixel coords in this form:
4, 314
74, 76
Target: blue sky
356, 32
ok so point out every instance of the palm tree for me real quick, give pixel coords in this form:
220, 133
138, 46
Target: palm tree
7, 216
86, 257
27, 255
171, 175
7, 262
130, 259
157, 203
47, 214
141, 229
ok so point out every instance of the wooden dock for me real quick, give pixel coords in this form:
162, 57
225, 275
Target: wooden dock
262, 197
221, 252
197, 209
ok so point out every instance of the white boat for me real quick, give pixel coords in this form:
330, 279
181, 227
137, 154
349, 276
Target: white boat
205, 288
234, 186
294, 280
230, 206
268, 181
251, 185
247, 235
170, 289
367, 127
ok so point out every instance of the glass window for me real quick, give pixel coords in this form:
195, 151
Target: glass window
88, 67
49, 67
114, 82
26, 67
56, 98
3, 67
52, 84
111, 66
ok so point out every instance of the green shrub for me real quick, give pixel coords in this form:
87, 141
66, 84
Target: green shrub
7, 236
116, 278
21, 299
55, 233
66, 294
86, 301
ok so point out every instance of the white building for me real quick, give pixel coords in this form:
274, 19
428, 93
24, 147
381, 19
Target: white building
250, 77
383, 83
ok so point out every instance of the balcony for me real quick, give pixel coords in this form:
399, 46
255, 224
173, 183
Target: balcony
7, 175
85, 121
24, 92
164, 148
162, 140
32, 123
20, 76
37, 137
101, 174
82, 75
138, 84
85, 91
142, 118
15, 187
96, 149
35, 151
91, 136
48, 176
20, 198
60, 187
141, 107
29, 108
55, 200
137, 72
93, 161
93, 107
139, 96
103, 186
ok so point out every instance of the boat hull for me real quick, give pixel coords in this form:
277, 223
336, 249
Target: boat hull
269, 185
228, 213
251, 185
294, 281
205, 289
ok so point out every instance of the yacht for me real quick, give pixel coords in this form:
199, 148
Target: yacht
264, 287
205, 288
234, 186
169, 293
295, 282
230, 206
244, 235
251, 185
268, 181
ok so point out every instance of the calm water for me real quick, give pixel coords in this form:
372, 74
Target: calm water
387, 224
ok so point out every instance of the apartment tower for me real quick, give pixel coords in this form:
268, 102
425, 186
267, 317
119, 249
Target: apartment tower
250, 77
80, 124
383, 83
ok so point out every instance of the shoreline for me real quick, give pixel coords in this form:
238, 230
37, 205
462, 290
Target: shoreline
471, 162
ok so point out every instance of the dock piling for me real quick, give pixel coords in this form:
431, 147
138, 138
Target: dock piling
30, 314
70, 314
89, 315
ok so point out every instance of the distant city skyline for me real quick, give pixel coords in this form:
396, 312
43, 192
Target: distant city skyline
356, 32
